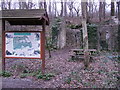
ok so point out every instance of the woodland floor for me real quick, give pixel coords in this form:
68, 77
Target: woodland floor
102, 72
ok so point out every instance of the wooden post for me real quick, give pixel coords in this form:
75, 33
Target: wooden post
3, 45
43, 46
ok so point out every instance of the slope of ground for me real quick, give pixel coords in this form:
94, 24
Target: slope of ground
102, 73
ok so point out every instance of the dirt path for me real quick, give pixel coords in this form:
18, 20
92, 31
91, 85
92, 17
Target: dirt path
19, 83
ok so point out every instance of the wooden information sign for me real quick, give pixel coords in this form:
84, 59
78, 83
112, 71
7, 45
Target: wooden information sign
23, 45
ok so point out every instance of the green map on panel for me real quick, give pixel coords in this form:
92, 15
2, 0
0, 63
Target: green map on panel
22, 33
21, 42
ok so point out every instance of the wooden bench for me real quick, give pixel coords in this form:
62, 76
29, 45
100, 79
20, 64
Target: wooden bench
79, 53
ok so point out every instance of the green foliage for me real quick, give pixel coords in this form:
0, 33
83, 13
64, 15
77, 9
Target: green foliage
49, 46
45, 76
26, 71
72, 59
24, 75
73, 26
92, 36
21, 68
5, 74
58, 20
55, 32
104, 45
68, 80
37, 74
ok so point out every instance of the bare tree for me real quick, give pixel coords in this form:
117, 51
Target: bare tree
30, 4
118, 3
70, 6
90, 8
65, 8
85, 33
77, 9
9, 4
3, 5
23, 5
104, 4
45, 5
40, 5
61, 14
6, 4
55, 8
112, 8
50, 11
100, 11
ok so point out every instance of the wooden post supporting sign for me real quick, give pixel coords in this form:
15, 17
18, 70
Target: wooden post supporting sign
3, 45
43, 46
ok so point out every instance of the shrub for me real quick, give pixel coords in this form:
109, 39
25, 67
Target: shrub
5, 74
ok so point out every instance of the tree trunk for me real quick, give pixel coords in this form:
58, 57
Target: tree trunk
112, 9
9, 5
65, 9
3, 5
55, 7
119, 28
23, 5
61, 14
90, 9
85, 34
104, 4
1, 58
50, 8
71, 9
119, 33
40, 5
20, 4
45, 5
62, 34
100, 11
30, 4
87, 13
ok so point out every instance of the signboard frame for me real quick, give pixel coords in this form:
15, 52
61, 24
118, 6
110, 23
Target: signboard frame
23, 32
31, 19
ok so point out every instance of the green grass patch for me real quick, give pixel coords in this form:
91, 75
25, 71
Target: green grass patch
68, 80
5, 74
37, 74
47, 76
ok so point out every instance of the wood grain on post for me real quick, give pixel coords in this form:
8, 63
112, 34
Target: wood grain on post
3, 45
43, 46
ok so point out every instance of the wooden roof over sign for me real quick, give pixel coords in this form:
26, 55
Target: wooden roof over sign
25, 16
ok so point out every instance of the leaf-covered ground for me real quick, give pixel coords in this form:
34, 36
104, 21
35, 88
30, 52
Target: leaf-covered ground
102, 72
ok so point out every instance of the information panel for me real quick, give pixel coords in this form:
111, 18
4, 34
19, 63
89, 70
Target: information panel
22, 44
